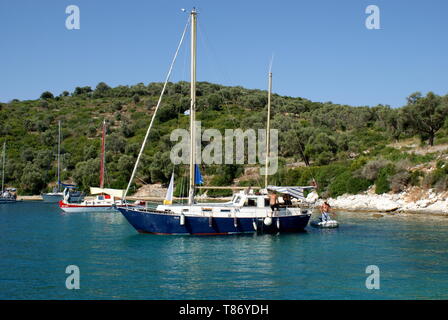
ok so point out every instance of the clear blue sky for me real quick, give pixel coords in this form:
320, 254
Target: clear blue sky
322, 48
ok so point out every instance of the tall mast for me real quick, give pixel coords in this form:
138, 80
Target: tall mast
102, 155
268, 134
192, 106
3, 167
59, 152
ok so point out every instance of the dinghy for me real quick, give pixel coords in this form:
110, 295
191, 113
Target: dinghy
324, 224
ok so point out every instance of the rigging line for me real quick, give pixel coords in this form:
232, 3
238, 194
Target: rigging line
157, 107
182, 189
271, 62
204, 40
210, 49
142, 181
307, 163
182, 76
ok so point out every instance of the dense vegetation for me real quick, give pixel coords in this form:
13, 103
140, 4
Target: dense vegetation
347, 148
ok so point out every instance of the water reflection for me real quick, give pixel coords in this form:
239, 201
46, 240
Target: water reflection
37, 242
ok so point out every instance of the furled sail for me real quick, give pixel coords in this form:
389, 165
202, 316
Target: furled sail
170, 191
197, 176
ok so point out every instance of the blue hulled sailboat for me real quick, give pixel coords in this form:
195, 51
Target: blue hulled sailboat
247, 212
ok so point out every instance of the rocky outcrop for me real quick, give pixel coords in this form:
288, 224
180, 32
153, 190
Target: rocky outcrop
151, 190
412, 200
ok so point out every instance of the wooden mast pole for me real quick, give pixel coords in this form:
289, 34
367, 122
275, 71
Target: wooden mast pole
268, 135
192, 108
103, 146
59, 155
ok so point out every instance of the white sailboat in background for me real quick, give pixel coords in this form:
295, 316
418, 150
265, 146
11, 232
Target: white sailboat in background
7, 195
107, 200
57, 195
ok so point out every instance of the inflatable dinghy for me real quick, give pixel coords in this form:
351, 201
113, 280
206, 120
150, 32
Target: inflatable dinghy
324, 224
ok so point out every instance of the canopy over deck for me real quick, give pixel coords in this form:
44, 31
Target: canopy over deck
296, 192
118, 193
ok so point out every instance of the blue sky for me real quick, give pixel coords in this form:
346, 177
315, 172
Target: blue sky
322, 49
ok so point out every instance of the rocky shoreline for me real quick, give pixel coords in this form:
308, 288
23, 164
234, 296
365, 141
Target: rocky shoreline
413, 200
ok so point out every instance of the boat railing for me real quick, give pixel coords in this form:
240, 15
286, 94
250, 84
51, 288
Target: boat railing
150, 207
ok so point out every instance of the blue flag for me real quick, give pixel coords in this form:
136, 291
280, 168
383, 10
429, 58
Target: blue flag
197, 175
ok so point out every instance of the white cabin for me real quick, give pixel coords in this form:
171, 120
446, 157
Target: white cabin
242, 205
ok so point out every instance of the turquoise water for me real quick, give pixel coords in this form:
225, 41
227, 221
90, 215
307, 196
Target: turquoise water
37, 243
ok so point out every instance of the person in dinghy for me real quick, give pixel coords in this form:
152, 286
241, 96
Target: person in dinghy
325, 209
325, 221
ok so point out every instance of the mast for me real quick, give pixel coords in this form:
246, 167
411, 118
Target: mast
59, 156
193, 15
102, 155
268, 134
3, 167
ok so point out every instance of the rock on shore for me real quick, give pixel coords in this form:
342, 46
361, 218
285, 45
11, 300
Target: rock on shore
414, 199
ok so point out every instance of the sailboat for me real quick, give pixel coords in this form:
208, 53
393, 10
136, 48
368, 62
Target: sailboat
7, 195
107, 200
245, 213
70, 190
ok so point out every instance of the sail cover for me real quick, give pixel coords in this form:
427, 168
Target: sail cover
118, 193
197, 175
296, 192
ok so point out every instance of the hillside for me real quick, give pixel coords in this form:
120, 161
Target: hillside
349, 149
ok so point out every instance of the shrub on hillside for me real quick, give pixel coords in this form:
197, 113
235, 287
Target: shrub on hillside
415, 178
347, 183
441, 184
382, 182
437, 179
371, 169
399, 181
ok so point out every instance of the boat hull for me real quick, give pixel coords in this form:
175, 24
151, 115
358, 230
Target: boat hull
73, 196
6, 200
88, 209
78, 208
330, 224
157, 222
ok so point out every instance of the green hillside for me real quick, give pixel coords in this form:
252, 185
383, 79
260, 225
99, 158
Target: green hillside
348, 148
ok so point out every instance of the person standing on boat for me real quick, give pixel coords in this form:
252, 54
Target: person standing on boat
273, 201
287, 200
325, 209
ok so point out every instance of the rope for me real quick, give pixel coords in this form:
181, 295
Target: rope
155, 111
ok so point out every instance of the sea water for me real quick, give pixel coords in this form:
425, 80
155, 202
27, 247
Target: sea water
38, 241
